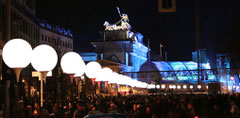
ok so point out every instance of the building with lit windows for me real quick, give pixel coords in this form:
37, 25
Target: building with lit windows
59, 38
25, 25
19, 18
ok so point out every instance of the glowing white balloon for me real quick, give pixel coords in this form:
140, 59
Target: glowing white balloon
92, 69
44, 58
199, 86
17, 53
114, 78
71, 63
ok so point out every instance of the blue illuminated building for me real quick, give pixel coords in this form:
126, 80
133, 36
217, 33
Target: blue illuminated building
130, 57
179, 71
133, 55
124, 52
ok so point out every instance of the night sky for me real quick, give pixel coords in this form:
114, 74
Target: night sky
176, 31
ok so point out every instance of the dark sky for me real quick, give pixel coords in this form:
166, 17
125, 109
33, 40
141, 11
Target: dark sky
176, 31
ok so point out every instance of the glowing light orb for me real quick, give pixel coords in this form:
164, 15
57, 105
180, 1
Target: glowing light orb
44, 58
17, 53
178, 87
199, 86
71, 63
92, 69
174, 86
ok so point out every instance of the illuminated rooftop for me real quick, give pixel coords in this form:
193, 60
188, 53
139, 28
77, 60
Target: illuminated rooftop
180, 71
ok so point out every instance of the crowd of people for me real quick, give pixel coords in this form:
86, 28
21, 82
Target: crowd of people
140, 106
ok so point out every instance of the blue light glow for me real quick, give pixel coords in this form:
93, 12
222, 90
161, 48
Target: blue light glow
184, 71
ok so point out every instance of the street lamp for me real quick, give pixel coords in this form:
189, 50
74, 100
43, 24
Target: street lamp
71, 63
93, 69
17, 55
44, 59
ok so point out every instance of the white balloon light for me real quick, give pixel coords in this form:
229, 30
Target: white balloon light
121, 80
44, 58
191, 86
99, 78
106, 73
71, 63
163, 86
184, 86
17, 53
80, 70
93, 69
114, 78
129, 81
199, 86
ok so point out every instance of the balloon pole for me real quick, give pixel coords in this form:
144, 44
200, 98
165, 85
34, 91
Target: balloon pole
93, 81
71, 77
99, 82
76, 80
17, 72
43, 77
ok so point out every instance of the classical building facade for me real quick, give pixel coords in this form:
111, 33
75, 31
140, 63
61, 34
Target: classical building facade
132, 54
25, 25
61, 42
18, 20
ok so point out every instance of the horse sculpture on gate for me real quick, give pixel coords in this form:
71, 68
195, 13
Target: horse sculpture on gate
124, 23
109, 26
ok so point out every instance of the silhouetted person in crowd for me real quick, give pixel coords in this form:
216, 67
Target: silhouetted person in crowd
80, 112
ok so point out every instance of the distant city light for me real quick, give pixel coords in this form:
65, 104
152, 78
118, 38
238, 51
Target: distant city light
174, 86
